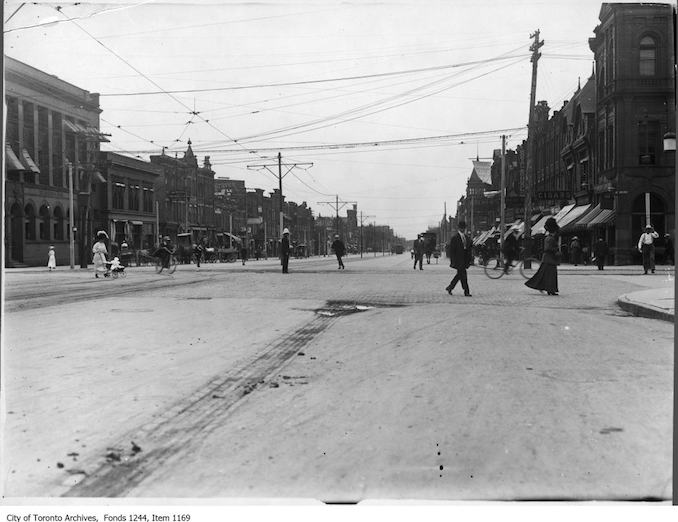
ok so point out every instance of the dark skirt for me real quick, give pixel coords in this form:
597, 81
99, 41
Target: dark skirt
546, 278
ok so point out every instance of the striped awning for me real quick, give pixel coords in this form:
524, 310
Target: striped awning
605, 217
563, 212
538, 228
573, 215
583, 222
87, 131
519, 224
28, 162
11, 161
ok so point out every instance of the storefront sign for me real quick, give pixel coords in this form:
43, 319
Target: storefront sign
554, 194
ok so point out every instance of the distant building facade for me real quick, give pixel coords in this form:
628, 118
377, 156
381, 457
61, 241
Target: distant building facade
185, 196
125, 203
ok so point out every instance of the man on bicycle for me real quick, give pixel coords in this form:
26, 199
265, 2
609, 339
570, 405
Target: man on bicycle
511, 248
165, 251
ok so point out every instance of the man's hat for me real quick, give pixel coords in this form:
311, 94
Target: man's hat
285, 231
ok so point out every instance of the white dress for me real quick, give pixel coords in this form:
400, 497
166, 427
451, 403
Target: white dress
51, 263
99, 256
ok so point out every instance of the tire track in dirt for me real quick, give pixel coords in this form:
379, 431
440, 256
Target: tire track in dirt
170, 436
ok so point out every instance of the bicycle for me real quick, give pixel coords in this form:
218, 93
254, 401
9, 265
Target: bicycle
172, 263
495, 267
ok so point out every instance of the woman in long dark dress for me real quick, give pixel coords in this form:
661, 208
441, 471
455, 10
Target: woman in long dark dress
546, 278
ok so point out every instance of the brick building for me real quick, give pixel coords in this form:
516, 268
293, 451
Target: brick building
50, 122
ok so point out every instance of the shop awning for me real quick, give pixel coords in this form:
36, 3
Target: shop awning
87, 131
563, 212
605, 217
137, 222
28, 162
573, 215
234, 238
519, 224
479, 238
582, 222
11, 161
538, 228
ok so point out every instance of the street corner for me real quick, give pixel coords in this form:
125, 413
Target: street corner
657, 303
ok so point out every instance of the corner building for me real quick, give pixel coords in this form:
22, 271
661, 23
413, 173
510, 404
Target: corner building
635, 106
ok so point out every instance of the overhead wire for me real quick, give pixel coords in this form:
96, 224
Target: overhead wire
307, 82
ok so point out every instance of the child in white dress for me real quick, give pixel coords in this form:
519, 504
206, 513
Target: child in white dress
51, 262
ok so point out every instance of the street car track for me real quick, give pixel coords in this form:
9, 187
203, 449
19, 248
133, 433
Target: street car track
39, 297
170, 436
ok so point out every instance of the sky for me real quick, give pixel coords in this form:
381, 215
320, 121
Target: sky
390, 101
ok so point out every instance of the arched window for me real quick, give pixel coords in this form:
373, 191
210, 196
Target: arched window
648, 56
58, 224
29, 222
43, 224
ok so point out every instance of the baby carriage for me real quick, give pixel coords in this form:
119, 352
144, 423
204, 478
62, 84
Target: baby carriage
115, 268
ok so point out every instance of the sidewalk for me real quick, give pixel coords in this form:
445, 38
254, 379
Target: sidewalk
656, 303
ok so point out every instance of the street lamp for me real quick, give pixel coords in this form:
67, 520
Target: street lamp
670, 141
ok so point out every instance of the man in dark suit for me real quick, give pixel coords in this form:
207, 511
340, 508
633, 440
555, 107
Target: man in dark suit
460, 258
418, 248
285, 251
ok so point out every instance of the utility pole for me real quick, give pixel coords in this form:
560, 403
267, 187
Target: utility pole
71, 231
502, 195
280, 177
335, 205
157, 223
362, 218
529, 168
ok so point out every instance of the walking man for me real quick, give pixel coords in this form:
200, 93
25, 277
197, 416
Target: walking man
339, 250
418, 249
285, 251
460, 258
511, 248
646, 247
600, 251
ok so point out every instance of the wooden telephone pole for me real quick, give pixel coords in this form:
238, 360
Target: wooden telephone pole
529, 168
280, 177
337, 207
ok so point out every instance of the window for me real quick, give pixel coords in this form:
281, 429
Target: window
118, 195
648, 133
43, 224
648, 56
133, 196
29, 129
57, 153
12, 135
43, 145
70, 145
148, 199
29, 222
58, 224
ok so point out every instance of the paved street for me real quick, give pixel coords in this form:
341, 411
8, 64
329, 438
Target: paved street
372, 382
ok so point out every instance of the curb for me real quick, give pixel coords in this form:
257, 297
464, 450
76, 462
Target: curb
644, 310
